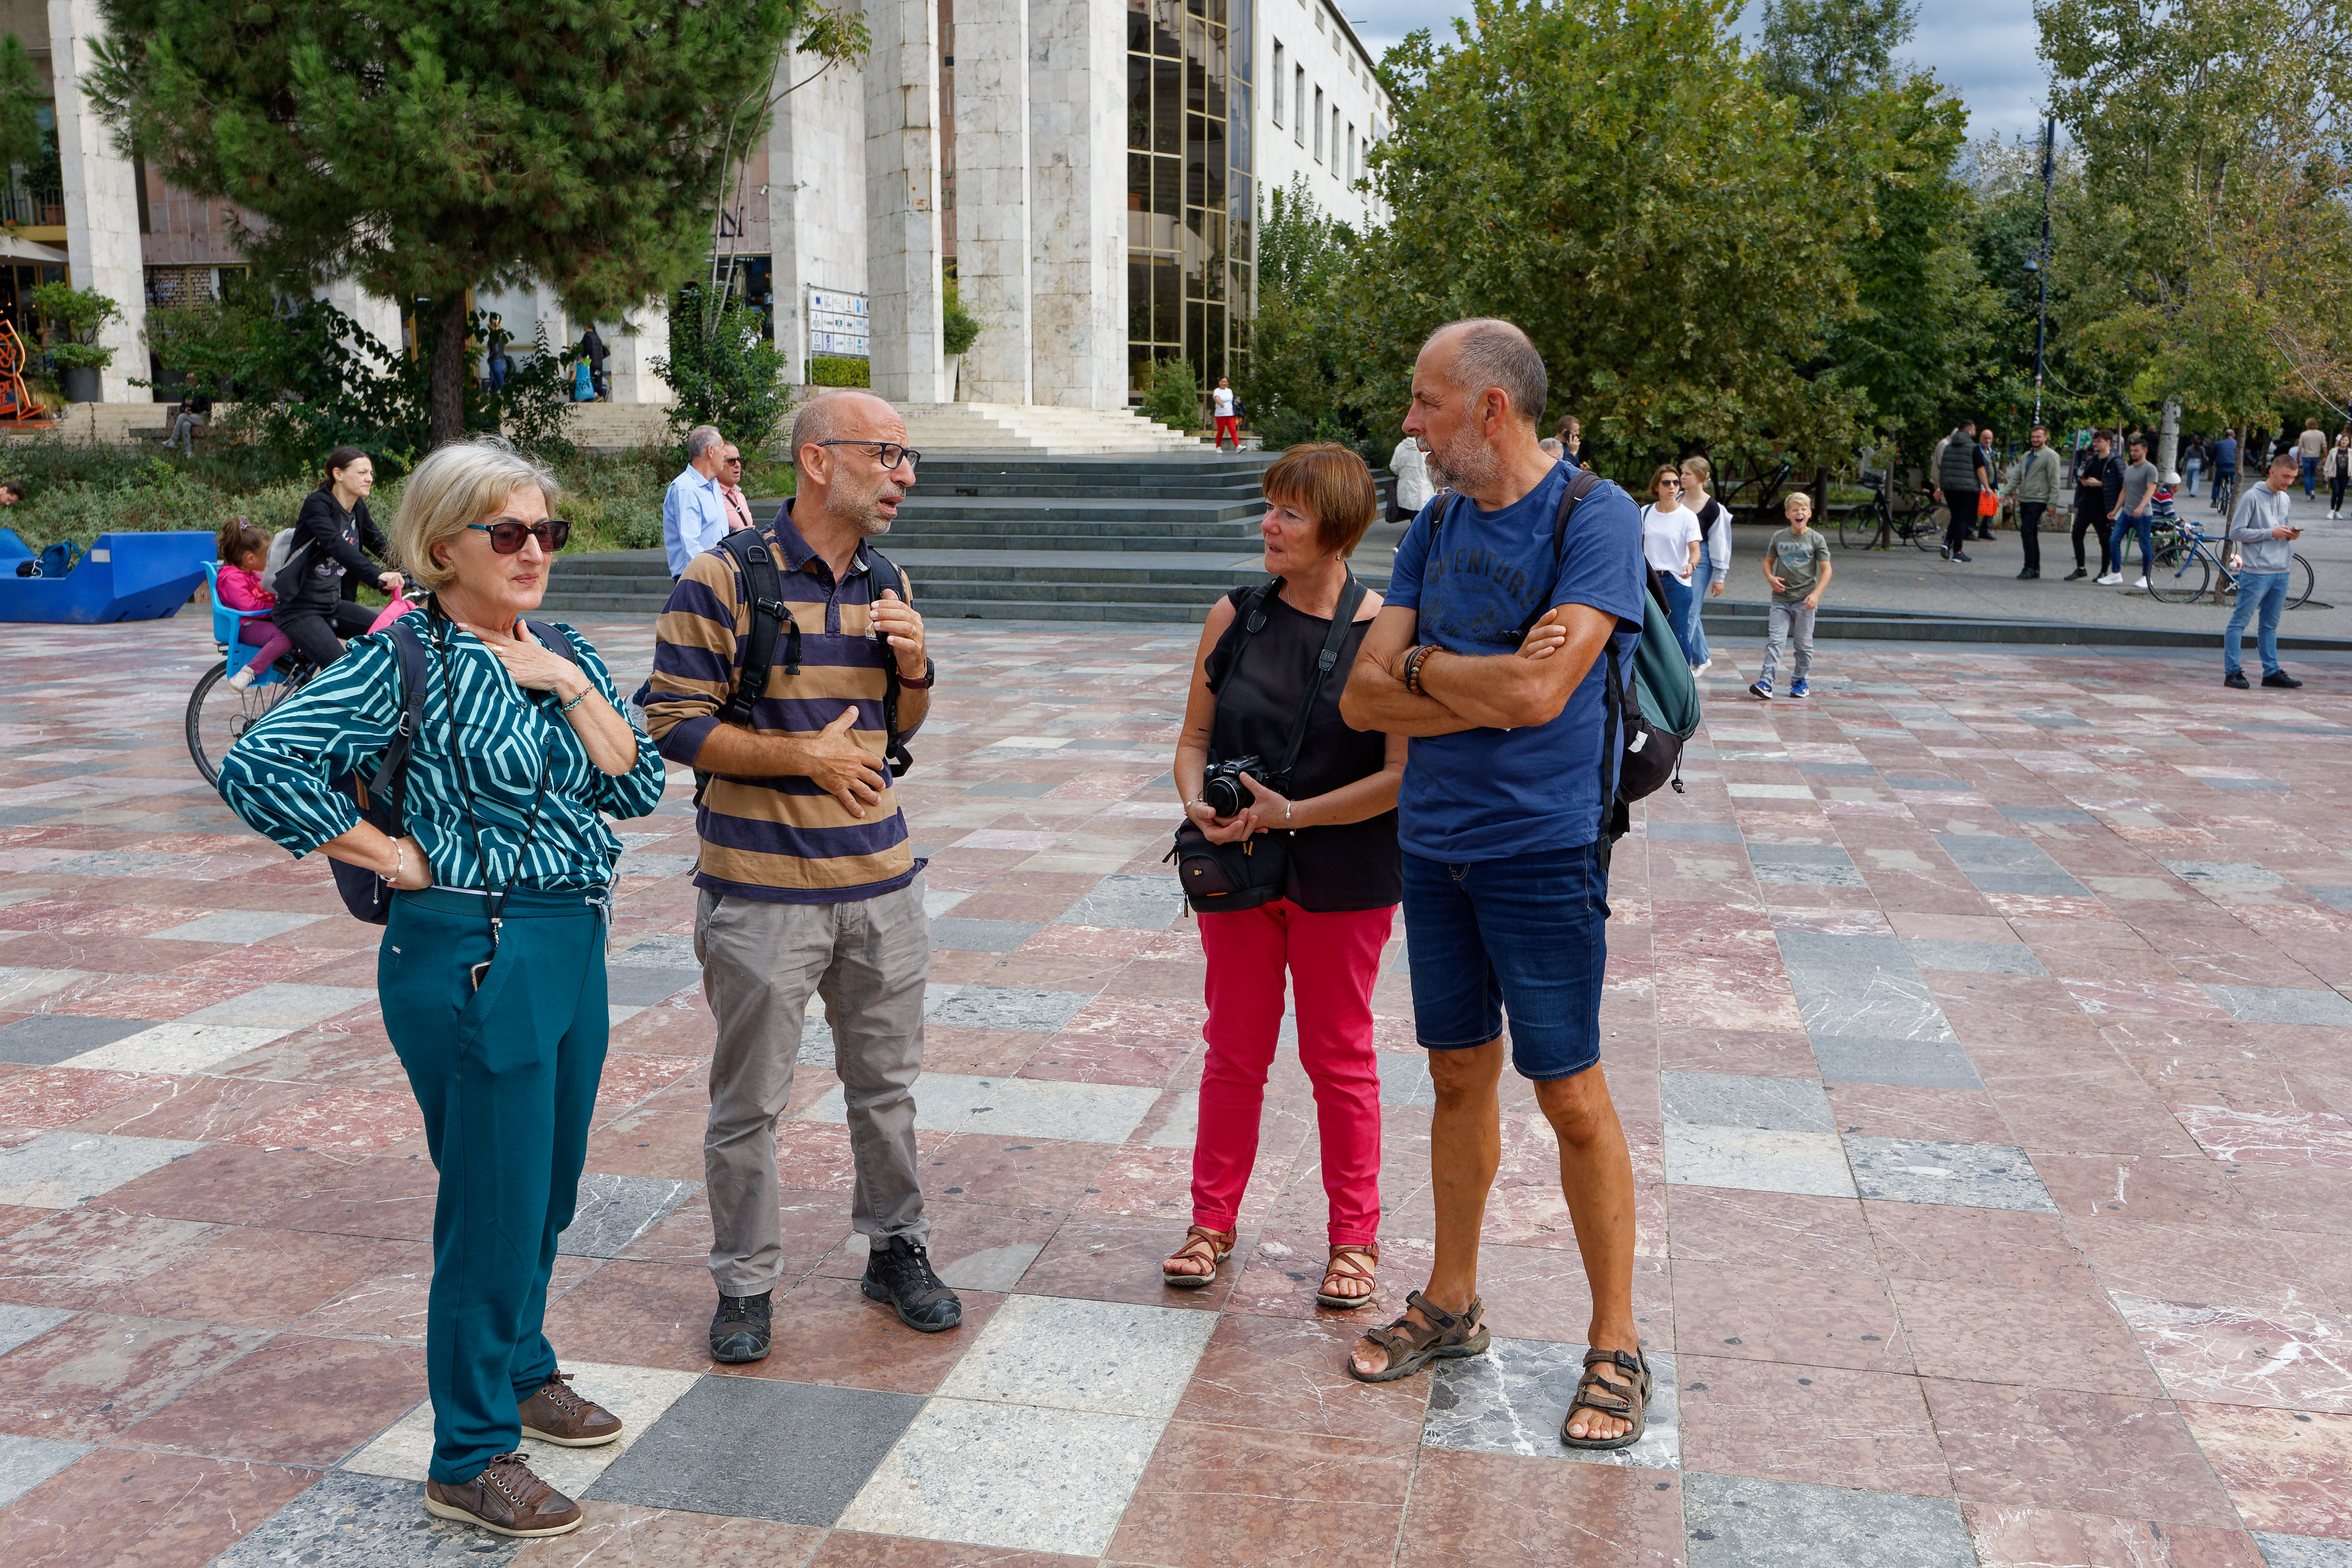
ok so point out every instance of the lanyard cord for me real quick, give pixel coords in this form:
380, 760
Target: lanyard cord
494, 904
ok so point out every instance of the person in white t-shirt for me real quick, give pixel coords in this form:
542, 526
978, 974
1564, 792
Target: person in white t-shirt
1411, 466
1221, 405
1714, 520
1671, 540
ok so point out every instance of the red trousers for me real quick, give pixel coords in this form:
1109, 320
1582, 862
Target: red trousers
1229, 425
1332, 961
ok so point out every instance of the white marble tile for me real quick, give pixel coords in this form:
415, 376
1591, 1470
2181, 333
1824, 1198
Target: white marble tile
1739, 1100
177, 1048
637, 1394
18, 1324
1013, 1107
285, 1006
1972, 1175
1514, 1399
1013, 1476
1063, 1354
58, 1170
27, 1462
242, 926
20, 987
1755, 1160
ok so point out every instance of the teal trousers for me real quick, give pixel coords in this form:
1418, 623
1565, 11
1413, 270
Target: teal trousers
506, 1077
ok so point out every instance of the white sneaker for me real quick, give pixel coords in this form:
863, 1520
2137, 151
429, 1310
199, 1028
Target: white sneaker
241, 680
2141, 583
1702, 667
2111, 579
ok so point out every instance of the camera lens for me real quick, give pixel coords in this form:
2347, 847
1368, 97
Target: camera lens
1225, 794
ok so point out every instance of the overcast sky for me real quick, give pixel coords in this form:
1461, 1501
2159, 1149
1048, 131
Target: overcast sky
1982, 48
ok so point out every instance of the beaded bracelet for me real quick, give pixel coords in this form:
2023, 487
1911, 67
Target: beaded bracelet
576, 702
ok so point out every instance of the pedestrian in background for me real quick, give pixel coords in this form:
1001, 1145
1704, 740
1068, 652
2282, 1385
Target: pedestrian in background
2192, 462
2309, 447
1411, 466
2134, 510
2337, 468
1673, 542
1225, 410
1961, 474
594, 353
1714, 567
1988, 498
694, 513
1797, 566
2039, 479
2262, 530
2098, 484
2225, 470
730, 488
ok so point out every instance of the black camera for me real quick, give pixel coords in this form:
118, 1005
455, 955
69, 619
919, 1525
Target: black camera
1222, 789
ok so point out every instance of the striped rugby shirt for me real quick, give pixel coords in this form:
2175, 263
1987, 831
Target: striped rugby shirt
781, 839
276, 776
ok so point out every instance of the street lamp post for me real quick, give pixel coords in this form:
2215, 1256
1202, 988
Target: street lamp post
2040, 265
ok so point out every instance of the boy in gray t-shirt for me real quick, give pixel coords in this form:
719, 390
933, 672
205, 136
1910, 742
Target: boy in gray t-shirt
2137, 511
1797, 566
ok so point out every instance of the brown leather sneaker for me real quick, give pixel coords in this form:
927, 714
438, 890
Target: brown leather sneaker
556, 1414
506, 1498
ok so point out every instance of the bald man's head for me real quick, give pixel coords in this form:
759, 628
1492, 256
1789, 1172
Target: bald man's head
1483, 353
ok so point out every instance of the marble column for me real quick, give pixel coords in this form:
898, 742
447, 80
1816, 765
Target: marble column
902, 199
992, 209
1077, 189
102, 244
816, 193
643, 337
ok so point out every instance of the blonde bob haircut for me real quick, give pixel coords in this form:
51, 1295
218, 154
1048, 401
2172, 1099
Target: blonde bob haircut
1329, 483
457, 485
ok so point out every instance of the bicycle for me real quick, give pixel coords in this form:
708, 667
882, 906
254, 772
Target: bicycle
1885, 519
219, 713
2188, 564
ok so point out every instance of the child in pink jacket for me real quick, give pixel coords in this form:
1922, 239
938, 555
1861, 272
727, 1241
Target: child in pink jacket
243, 553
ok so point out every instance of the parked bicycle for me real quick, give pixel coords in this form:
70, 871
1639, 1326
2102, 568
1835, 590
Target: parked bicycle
2188, 564
1894, 513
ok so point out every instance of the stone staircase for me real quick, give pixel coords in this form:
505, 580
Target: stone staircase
1040, 429
1018, 537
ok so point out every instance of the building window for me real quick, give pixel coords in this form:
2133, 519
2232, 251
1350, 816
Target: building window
1274, 98
1318, 125
1299, 120
1190, 204
1335, 136
1355, 164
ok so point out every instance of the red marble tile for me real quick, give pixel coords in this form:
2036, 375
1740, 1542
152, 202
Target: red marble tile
1289, 1374
159, 998
2163, 998
1098, 1258
2049, 1339
295, 1401
2089, 1453
1239, 1499
866, 1345
1817, 1425
197, 1108
1796, 1315
624, 1535
388, 1196
92, 1376
1789, 1055
164, 1510
1901, 1110
1500, 1510
1091, 1059
2206, 1265
253, 1277
2041, 1538
2276, 1137
997, 1168
638, 1314
60, 1097
2225, 1356
2142, 1187
337, 1121
225, 1182
2285, 1470
630, 1078
1100, 941
83, 1257
1717, 1225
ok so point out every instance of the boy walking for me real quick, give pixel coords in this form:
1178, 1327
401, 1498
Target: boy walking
1797, 565
2260, 530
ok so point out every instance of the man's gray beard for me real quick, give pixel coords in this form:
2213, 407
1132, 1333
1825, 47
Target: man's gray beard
865, 516
1469, 464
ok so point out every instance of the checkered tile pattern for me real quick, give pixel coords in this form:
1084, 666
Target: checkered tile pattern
1976, 1025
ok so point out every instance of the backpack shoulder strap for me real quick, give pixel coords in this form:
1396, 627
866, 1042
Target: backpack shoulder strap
1582, 483
884, 577
763, 586
552, 639
391, 774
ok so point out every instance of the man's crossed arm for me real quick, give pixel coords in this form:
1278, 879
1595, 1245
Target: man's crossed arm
1529, 685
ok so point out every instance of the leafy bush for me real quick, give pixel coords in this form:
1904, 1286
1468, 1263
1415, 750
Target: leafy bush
1172, 395
1282, 428
534, 408
838, 370
724, 368
70, 321
961, 328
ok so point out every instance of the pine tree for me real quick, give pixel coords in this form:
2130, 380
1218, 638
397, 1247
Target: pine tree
433, 146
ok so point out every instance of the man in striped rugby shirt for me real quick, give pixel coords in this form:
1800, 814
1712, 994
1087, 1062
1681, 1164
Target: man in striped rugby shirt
808, 883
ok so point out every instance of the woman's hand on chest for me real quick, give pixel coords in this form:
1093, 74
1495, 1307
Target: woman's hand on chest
530, 665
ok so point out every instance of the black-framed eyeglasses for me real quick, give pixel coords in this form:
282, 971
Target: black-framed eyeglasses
891, 451
508, 533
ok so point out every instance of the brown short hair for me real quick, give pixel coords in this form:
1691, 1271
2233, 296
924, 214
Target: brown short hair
238, 539
1330, 484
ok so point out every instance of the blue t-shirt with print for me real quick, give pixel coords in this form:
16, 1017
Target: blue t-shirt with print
1485, 794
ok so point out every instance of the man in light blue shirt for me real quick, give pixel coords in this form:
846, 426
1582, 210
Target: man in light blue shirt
694, 513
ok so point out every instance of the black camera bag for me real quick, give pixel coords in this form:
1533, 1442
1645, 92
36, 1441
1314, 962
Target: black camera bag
1256, 870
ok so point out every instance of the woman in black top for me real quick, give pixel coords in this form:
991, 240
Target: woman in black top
324, 566
1346, 876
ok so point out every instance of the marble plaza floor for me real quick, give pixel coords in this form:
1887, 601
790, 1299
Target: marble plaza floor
1976, 1023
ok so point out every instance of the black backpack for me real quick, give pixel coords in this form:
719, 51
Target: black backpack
379, 798
770, 622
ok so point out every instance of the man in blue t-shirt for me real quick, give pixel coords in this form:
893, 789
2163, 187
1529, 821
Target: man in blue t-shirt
1508, 790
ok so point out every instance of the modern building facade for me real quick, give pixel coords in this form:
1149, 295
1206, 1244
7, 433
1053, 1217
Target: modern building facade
1087, 174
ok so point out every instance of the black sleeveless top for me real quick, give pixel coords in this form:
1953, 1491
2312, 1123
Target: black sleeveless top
1347, 865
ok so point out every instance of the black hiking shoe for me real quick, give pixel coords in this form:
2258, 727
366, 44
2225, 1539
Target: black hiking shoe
900, 1273
2281, 679
739, 1330
2236, 681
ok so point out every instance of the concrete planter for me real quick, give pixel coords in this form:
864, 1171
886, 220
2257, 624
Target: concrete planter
81, 383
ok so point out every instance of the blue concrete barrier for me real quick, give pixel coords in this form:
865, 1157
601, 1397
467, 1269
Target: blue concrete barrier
125, 577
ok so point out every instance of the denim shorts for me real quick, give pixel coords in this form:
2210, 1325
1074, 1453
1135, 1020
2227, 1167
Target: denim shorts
1528, 936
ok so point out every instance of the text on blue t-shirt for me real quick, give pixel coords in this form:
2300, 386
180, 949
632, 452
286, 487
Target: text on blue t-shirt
1483, 794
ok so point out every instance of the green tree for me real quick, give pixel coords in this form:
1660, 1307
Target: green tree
25, 143
433, 146
730, 374
1825, 53
1612, 176
2211, 235
1295, 373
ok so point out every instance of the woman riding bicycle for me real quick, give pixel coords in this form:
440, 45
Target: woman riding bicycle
317, 587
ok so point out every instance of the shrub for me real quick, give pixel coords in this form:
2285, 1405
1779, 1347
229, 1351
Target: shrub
837, 370
724, 368
1281, 428
1172, 395
961, 328
70, 319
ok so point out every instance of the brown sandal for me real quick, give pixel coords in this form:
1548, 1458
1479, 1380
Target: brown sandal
1628, 1401
1342, 1266
1412, 1346
1211, 1247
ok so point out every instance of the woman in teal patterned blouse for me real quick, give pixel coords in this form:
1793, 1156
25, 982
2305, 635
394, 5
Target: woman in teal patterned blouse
491, 972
